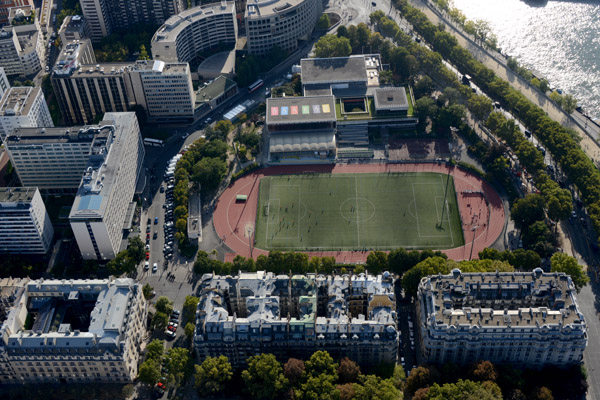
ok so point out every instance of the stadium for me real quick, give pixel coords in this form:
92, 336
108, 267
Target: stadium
347, 210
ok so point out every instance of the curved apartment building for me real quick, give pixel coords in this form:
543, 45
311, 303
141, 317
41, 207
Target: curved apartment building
184, 35
279, 23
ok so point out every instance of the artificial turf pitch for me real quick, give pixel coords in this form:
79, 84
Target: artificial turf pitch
314, 212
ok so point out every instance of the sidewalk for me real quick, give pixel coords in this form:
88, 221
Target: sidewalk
587, 131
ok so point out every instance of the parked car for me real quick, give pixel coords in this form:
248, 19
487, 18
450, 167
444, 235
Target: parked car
155, 235
155, 267
146, 266
155, 220
162, 189
147, 255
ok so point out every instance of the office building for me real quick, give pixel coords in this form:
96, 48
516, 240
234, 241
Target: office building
86, 90
104, 197
183, 36
524, 318
105, 16
164, 90
23, 107
96, 13
25, 226
6, 5
293, 316
74, 27
21, 49
280, 23
4, 83
71, 331
52, 159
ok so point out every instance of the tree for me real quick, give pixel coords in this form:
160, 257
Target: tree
264, 377
480, 106
189, 331
160, 321
430, 266
293, 370
537, 232
121, 264
423, 87
209, 172
136, 249
419, 377
332, 46
323, 23
155, 349
377, 262
147, 291
319, 387
484, 371
176, 363
569, 103
321, 363
346, 391
149, 371
373, 387
465, 389
202, 263
163, 304
348, 371
561, 262
189, 308
542, 393
342, 31
143, 53
212, 375
527, 210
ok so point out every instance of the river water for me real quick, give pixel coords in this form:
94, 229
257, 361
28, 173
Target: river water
558, 39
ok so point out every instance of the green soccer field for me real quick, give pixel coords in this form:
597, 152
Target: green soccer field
357, 211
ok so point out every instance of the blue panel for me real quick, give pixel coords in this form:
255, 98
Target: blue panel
90, 202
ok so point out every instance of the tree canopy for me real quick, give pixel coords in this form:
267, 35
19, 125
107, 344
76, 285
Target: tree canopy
264, 377
212, 375
332, 46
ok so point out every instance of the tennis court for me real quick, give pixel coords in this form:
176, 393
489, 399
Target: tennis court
315, 212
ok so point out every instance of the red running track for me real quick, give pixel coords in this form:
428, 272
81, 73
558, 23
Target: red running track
482, 216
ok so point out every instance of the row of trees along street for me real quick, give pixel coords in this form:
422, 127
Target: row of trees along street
411, 265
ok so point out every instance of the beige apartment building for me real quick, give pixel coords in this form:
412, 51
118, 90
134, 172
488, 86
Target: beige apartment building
70, 330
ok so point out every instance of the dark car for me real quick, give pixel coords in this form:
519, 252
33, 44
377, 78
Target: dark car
162, 189
155, 220
374, 4
155, 235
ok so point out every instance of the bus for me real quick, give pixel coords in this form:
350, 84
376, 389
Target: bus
153, 142
255, 85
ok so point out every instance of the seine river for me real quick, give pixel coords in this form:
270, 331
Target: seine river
559, 39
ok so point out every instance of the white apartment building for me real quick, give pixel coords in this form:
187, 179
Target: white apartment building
81, 331
184, 35
107, 187
25, 226
52, 159
23, 107
21, 49
524, 318
164, 90
280, 23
